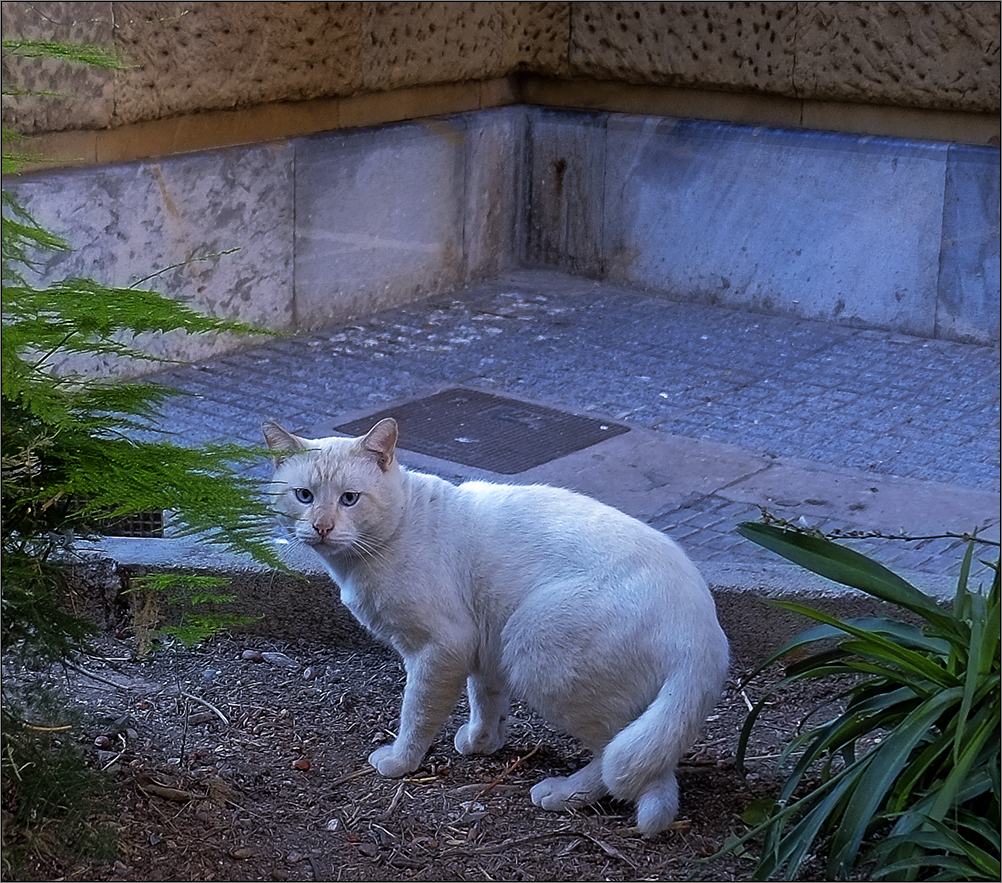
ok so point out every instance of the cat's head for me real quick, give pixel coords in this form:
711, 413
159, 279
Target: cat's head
341, 495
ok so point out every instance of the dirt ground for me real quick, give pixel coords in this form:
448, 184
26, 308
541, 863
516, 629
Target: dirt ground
245, 759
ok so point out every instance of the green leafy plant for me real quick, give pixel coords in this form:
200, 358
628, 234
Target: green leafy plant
909, 770
198, 600
72, 458
70, 455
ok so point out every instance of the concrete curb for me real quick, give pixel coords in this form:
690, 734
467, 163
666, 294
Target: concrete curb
294, 606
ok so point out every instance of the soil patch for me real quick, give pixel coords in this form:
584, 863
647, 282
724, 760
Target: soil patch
245, 759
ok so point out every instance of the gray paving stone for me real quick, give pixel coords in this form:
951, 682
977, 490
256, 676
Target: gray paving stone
792, 388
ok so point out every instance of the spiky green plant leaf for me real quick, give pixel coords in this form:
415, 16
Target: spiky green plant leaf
910, 780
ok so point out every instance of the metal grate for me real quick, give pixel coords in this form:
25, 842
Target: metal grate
487, 431
136, 524
141, 524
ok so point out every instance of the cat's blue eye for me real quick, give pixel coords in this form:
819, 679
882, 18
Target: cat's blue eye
304, 495
350, 498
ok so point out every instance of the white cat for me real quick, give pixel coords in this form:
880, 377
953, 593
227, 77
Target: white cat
599, 622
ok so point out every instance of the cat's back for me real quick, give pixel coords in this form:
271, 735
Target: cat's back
561, 526
540, 506
546, 550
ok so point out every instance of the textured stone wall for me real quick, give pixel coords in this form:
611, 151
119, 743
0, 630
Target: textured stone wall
937, 55
732, 46
186, 57
932, 55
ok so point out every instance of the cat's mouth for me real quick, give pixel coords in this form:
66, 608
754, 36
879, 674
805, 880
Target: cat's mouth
336, 544
307, 538
347, 548
315, 539
343, 546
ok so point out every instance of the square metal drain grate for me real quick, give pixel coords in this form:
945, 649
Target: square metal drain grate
487, 431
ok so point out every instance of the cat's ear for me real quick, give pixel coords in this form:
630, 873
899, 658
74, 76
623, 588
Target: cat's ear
382, 442
281, 441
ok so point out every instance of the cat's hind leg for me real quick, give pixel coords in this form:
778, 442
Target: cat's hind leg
487, 728
580, 789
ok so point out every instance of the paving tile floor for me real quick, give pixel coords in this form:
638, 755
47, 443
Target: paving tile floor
875, 401
705, 525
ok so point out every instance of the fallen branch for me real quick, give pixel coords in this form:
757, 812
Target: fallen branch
395, 802
609, 850
854, 534
406, 863
508, 844
113, 761
477, 788
93, 676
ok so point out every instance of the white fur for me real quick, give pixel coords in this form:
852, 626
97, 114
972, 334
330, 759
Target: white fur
599, 622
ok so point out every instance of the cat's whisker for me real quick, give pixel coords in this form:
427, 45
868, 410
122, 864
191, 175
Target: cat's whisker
366, 547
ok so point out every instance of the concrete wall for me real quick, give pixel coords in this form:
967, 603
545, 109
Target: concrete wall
201, 75
880, 233
294, 235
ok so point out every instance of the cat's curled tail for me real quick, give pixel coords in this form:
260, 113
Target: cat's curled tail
639, 764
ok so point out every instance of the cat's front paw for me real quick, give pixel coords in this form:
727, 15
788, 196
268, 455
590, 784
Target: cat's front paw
392, 763
479, 739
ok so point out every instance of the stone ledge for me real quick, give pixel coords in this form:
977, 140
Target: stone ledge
864, 231
765, 110
224, 128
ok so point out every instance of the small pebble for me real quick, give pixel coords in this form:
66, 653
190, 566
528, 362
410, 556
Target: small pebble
302, 764
280, 659
252, 655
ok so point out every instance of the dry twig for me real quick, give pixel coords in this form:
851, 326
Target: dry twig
92, 676
207, 704
355, 775
508, 844
515, 764
395, 802
151, 786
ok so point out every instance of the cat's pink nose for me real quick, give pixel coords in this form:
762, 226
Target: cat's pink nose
323, 530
